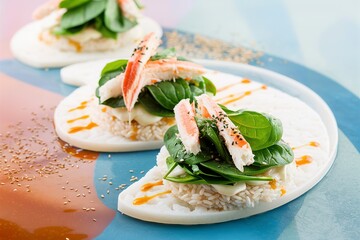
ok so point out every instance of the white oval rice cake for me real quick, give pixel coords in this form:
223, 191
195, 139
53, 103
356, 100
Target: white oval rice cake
27, 47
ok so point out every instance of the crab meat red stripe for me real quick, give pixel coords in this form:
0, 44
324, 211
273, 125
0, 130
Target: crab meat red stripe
133, 80
188, 130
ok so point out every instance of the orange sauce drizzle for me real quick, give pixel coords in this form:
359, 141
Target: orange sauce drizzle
81, 128
77, 119
148, 186
245, 81
75, 44
311, 144
306, 159
272, 184
145, 199
134, 132
314, 144
104, 109
69, 210
113, 118
81, 106
231, 97
283, 191
169, 120
78, 152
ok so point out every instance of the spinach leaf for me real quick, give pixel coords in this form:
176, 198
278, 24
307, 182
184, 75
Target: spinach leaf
69, 4
177, 150
114, 19
261, 130
278, 154
230, 172
58, 30
210, 87
138, 4
152, 106
115, 102
118, 65
210, 132
110, 71
82, 14
100, 27
168, 93
164, 54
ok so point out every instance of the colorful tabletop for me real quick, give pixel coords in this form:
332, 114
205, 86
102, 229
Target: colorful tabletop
50, 191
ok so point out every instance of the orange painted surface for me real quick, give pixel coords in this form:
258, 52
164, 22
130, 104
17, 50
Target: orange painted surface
44, 191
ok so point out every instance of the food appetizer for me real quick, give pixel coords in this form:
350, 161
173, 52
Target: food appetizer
220, 164
70, 31
132, 105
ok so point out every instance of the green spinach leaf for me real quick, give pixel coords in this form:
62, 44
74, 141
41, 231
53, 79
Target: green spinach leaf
261, 130
230, 172
100, 27
118, 66
82, 14
164, 54
69, 4
209, 86
58, 30
114, 19
152, 106
210, 132
168, 93
110, 71
177, 150
278, 154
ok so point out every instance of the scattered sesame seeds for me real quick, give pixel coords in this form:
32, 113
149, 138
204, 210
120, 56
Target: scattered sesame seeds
197, 46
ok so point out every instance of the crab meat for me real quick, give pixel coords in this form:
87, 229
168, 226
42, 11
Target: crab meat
45, 9
188, 130
133, 79
129, 9
168, 69
155, 71
238, 147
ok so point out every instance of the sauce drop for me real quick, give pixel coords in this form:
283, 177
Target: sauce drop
78, 152
306, 159
148, 186
283, 191
169, 120
77, 119
81, 128
81, 106
76, 45
272, 184
145, 199
314, 144
134, 131
311, 144
231, 97
244, 81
